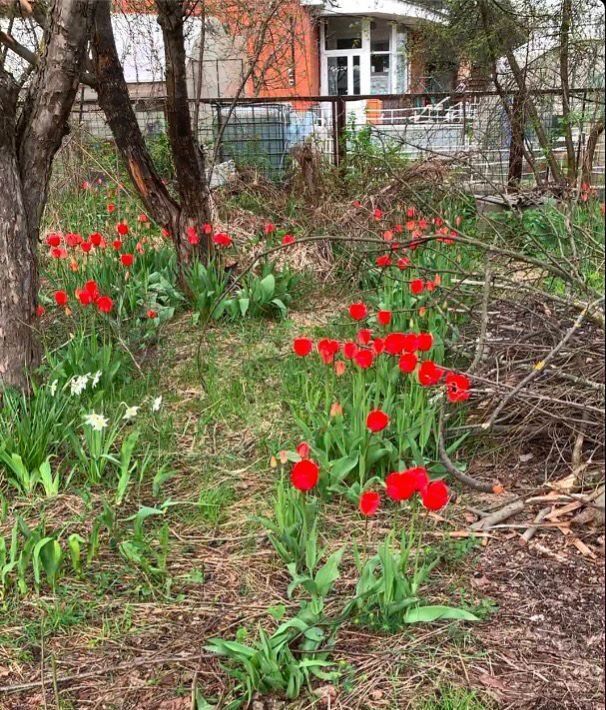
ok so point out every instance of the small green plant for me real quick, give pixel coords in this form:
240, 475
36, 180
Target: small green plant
293, 528
282, 662
388, 593
29, 550
32, 427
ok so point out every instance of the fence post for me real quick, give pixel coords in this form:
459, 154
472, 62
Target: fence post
219, 148
341, 125
516, 142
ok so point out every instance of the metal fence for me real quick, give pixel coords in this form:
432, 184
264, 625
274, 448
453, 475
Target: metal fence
490, 138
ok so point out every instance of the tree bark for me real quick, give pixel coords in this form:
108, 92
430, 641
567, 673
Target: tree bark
188, 156
565, 27
114, 100
44, 119
588, 153
27, 148
18, 283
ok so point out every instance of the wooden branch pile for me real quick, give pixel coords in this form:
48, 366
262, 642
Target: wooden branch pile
541, 376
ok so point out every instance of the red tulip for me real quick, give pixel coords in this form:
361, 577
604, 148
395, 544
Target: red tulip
111, 207
53, 240
369, 503
364, 336
104, 304
435, 495
384, 317
400, 486
430, 373
358, 311
417, 286
377, 214
349, 350
407, 362
122, 229
222, 240
403, 263
457, 387
269, 228
420, 476
376, 421
383, 261
328, 349
73, 240
59, 253
40, 310
394, 343
378, 345
86, 247
288, 239
302, 346
304, 475
61, 298
96, 239
127, 259
364, 359
340, 368
84, 297
424, 342
410, 343
192, 236
92, 289
303, 449
117, 244
151, 313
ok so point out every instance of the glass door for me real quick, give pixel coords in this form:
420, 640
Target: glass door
344, 75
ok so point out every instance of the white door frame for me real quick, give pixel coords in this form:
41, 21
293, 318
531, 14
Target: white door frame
363, 53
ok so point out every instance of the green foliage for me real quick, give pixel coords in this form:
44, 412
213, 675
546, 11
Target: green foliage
264, 294
293, 528
388, 592
32, 428
283, 662
30, 552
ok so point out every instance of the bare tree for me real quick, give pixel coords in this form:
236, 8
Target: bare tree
31, 132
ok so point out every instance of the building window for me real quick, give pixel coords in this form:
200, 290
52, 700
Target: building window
343, 33
363, 56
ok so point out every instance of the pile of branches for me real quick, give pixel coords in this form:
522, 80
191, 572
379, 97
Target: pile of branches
539, 370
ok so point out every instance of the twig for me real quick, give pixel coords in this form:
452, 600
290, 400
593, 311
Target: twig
464, 478
498, 516
531, 531
484, 322
538, 369
22, 687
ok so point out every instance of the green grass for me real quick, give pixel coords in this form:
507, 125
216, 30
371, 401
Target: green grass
451, 698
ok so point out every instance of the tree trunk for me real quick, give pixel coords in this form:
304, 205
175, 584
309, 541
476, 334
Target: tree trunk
588, 153
571, 158
114, 100
188, 156
18, 284
27, 149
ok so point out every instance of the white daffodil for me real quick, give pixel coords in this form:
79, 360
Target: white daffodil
156, 404
97, 421
96, 378
131, 413
53, 387
78, 384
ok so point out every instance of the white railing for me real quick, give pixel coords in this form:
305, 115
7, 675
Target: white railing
440, 113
